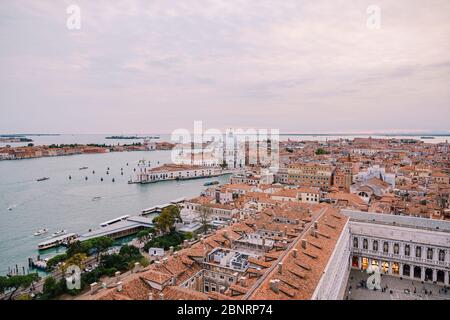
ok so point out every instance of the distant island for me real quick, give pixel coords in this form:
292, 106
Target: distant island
13, 139
31, 151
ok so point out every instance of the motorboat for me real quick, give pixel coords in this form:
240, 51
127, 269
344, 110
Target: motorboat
41, 232
43, 179
211, 183
83, 168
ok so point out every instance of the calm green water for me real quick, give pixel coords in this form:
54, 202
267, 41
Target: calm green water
60, 203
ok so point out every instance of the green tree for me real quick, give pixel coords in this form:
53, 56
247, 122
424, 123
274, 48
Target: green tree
14, 283
101, 244
166, 241
52, 288
77, 260
321, 151
55, 260
166, 220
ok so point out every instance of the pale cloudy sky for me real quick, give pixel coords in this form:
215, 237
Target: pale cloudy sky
154, 66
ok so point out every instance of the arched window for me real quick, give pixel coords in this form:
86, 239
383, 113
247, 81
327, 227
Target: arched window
365, 244
418, 252
385, 247
396, 248
430, 253
407, 250
441, 255
355, 242
375, 245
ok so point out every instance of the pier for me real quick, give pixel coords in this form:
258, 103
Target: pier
127, 225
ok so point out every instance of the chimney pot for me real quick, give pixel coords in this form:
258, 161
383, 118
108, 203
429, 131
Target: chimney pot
119, 286
303, 243
274, 285
280, 267
294, 253
161, 296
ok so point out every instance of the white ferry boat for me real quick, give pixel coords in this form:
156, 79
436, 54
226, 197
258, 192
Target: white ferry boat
58, 241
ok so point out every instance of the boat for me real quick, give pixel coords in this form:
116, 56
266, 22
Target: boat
66, 239
41, 232
96, 198
426, 137
59, 233
83, 168
11, 207
43, 179
211, 183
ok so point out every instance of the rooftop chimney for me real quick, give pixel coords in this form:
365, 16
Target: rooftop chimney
274, 285
171, 250
242, 281
150, 296
294, 253
161, 296
280, 267
137, 267
313, 233
185, 243
303, 243
315, 225
119, 286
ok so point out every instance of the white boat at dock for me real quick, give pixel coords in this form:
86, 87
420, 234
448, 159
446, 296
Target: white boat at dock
41, 232
58, 241
59, 233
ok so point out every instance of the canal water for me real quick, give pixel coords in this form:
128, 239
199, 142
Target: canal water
60, 203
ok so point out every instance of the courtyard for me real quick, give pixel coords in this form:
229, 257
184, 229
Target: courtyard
396, 289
